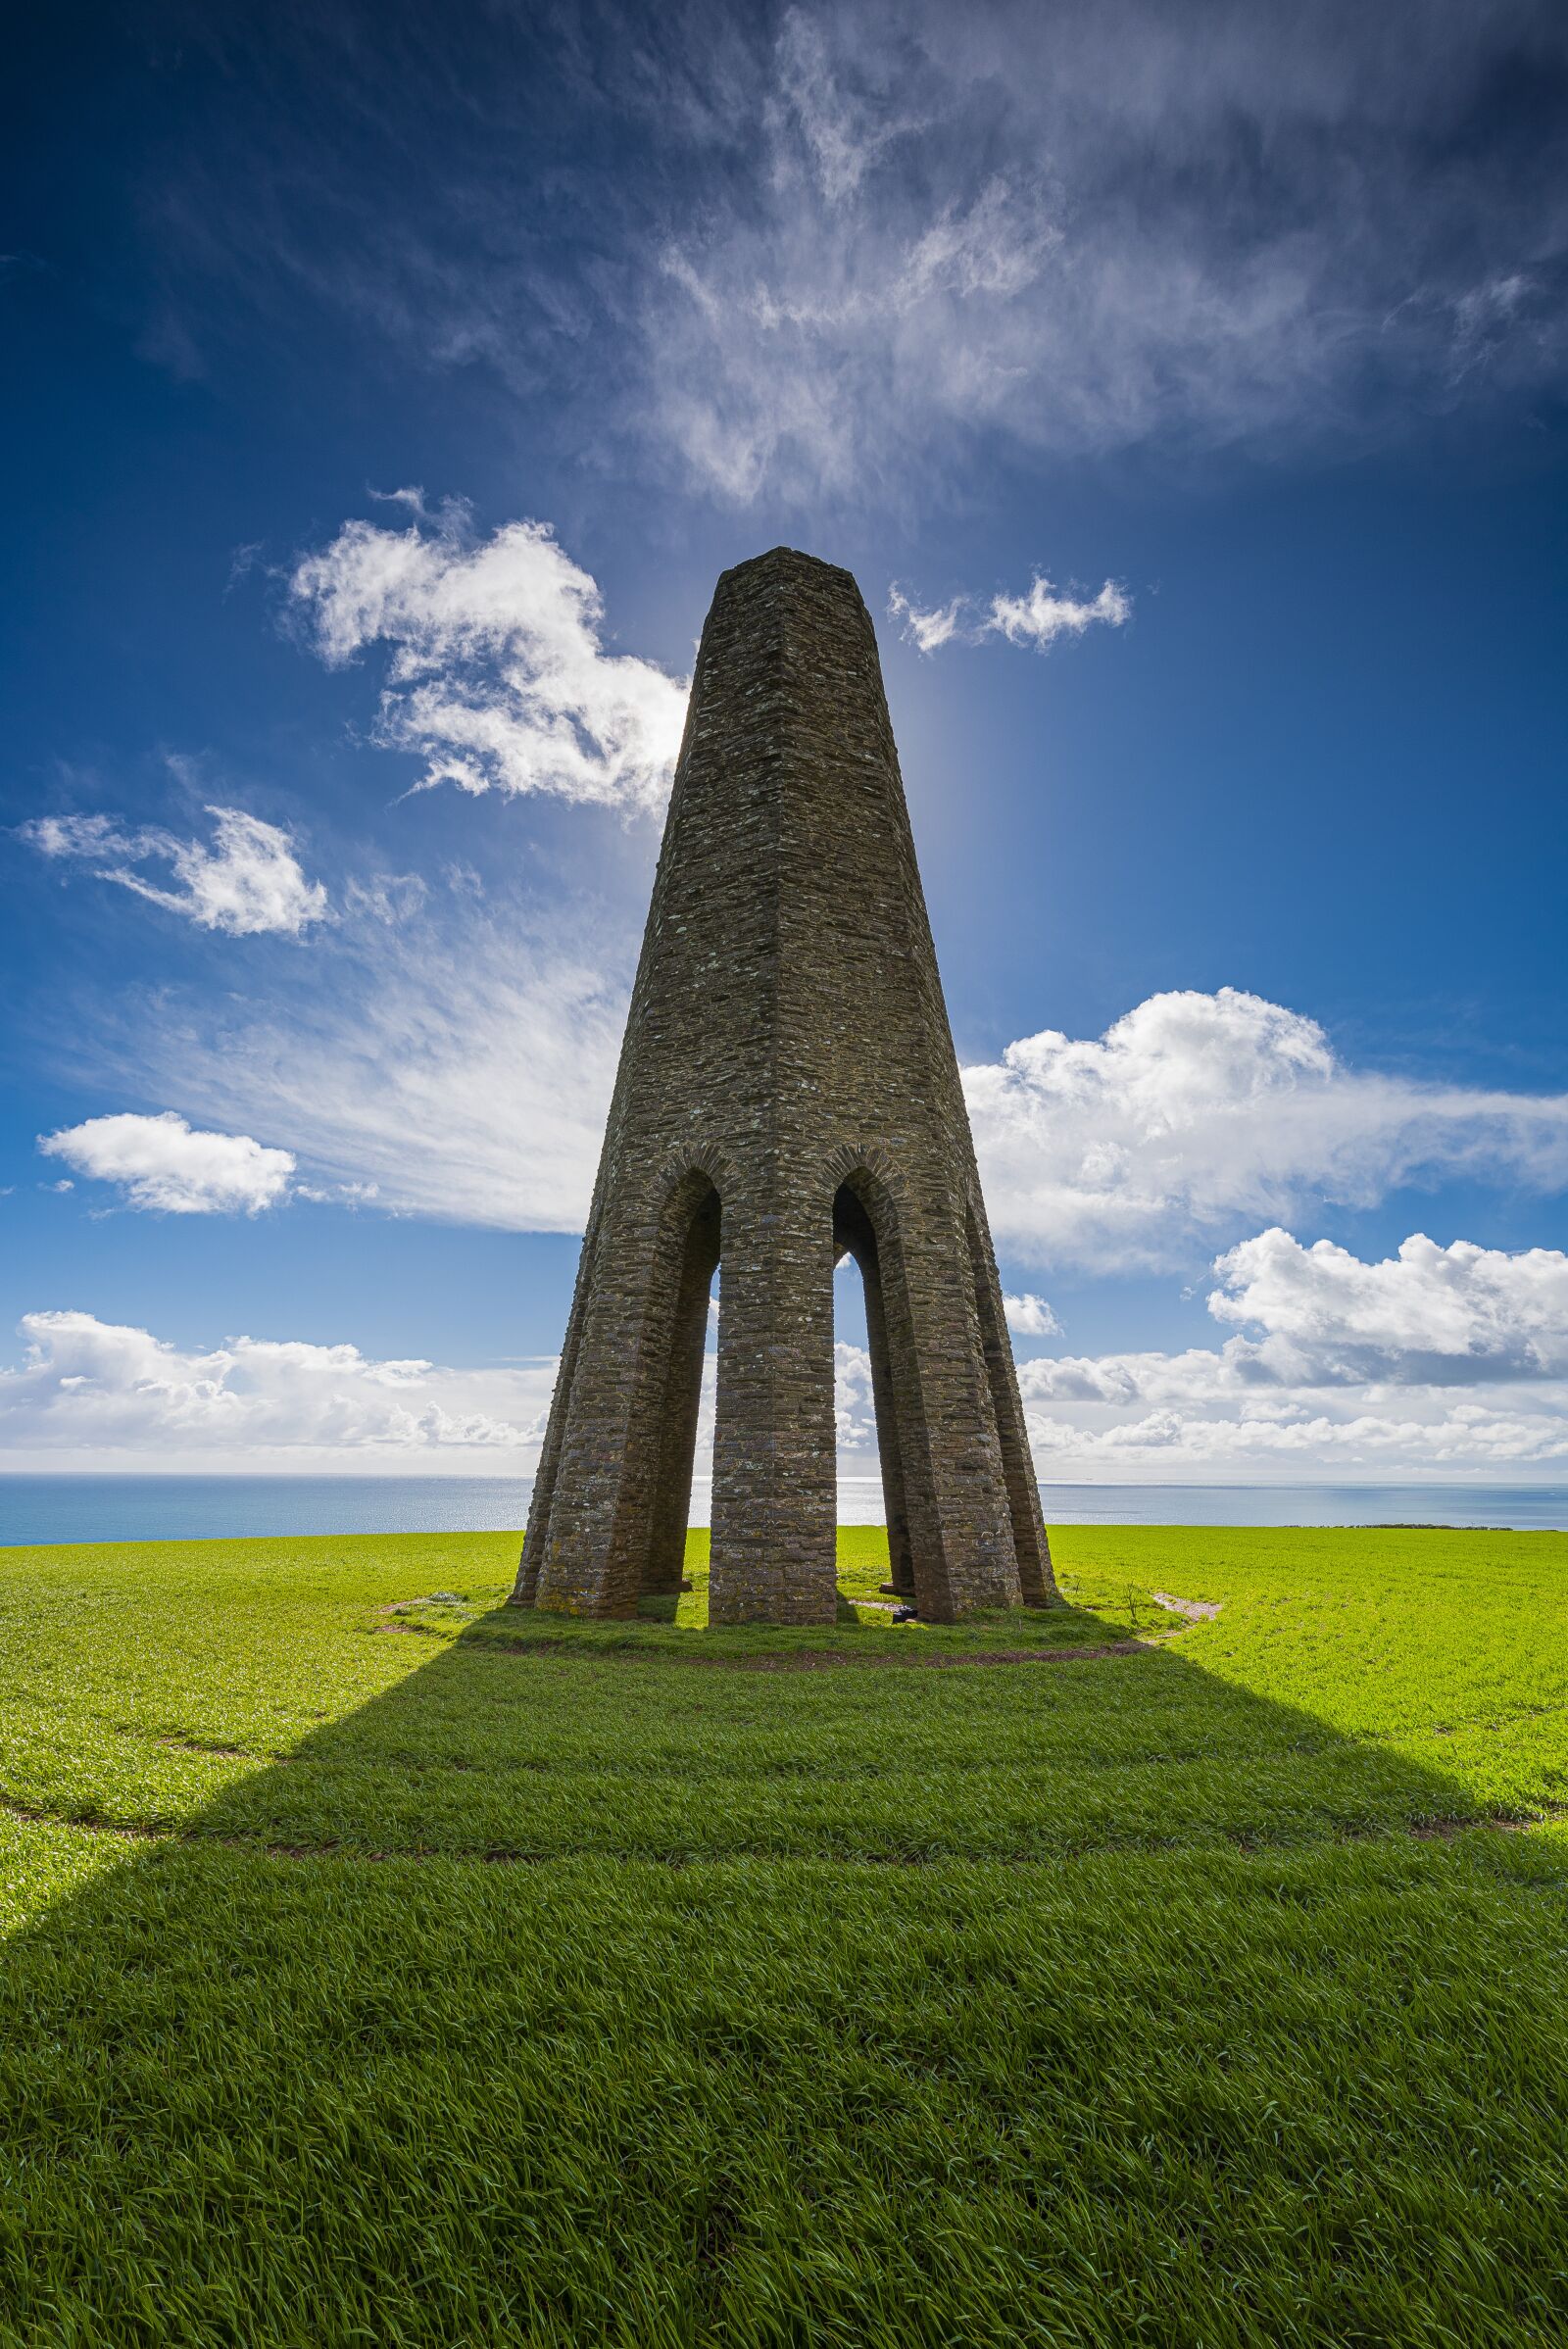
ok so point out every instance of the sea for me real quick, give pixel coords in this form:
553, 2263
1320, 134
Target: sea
44, 1509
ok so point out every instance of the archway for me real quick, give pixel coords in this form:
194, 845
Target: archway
855, 1233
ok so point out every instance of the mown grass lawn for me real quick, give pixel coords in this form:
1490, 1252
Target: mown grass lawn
389, 1969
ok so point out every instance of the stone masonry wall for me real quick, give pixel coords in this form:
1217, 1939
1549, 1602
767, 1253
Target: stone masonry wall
787, 1088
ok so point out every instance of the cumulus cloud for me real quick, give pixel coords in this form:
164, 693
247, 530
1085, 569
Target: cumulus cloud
497, 676
1341, 1367
1193, 1112
1030, 1316
248, 880
91, 1388
1441, 1361
1036, 618
1429, 1437
853, 1404
1451, 1313
163, 1163
97, 1394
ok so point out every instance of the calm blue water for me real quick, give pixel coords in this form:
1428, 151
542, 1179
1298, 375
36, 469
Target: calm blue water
183, 1508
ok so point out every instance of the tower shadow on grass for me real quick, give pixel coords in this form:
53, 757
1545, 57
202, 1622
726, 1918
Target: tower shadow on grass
568, 1992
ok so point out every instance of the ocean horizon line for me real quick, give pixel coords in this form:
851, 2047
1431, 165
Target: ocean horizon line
1456, 1483
47, 1509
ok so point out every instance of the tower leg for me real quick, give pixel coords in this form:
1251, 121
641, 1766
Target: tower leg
776, 1514
961, 1534
596, 1546
536, 1539
1036, 1581
665, 1565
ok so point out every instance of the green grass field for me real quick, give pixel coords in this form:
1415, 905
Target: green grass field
382, 1969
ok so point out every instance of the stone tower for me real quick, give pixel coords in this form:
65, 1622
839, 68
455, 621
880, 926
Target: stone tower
787, 1092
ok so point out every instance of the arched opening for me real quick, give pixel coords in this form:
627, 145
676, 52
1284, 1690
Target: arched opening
689, 1250
855, 1236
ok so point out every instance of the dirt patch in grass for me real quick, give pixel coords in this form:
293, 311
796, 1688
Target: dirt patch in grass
1196, 1610
1443, 1831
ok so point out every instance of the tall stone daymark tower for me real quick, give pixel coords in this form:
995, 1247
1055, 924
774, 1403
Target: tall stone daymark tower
787, 1092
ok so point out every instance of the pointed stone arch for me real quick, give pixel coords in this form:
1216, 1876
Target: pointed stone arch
957, 1480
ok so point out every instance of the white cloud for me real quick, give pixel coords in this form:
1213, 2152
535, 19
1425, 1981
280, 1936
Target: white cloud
165, 1164
96, 1389
853, 1404
843, 128
1193, 1112
928, 631
498, 677
1360, 1368
1430, 1435
1036, 618
1030, 1316
1044, 614
93, 1393
1433, 1313
249, 880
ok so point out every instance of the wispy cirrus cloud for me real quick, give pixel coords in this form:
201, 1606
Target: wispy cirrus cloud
248, 880
497, 673
985, 224
171, 1168
853, 250
455, 1061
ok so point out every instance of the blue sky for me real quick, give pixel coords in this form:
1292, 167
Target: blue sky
1186, 390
